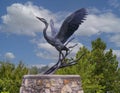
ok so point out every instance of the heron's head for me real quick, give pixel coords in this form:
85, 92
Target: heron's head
42, 19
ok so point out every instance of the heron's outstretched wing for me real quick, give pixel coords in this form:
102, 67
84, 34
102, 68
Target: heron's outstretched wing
71, 24
53, 30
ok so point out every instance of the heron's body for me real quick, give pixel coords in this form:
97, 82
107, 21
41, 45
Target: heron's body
54, 41
57, 44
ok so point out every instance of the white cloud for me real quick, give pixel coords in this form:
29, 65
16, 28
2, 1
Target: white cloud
46, 46
116, 39
21, 19
105, 22
9, 55
46, 51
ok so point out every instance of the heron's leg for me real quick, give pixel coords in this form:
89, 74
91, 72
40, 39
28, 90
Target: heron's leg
54, 67
68, 51
60, 55
58, 64
64, 57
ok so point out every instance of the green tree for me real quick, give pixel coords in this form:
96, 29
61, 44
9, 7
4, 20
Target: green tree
98, 69
11, 77
106, 64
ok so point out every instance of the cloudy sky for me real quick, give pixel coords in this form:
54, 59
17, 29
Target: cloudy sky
21, 36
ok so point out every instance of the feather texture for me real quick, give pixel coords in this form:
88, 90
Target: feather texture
71, 24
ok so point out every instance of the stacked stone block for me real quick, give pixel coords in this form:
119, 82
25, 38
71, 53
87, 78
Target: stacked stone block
51, 84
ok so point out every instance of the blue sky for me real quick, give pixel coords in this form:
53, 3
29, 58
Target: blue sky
21, 33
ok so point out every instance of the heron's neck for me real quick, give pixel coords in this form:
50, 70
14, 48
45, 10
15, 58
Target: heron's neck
44, 32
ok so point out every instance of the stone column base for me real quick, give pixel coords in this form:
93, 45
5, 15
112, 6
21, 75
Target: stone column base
51, 84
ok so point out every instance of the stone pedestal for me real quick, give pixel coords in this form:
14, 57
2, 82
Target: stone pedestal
51, 84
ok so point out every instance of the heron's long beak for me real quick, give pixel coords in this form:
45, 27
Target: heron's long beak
38, 18
42, 19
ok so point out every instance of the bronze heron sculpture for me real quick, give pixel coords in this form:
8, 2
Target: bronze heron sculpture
60, 40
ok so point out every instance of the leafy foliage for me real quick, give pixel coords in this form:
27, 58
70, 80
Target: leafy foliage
11, 77
98, 69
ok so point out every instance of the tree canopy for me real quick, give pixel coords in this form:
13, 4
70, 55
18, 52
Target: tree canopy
11, 76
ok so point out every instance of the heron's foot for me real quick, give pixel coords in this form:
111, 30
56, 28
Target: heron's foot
55, 67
